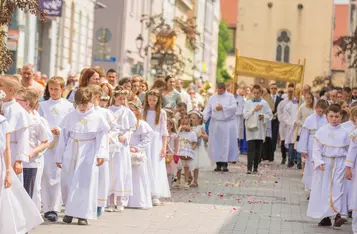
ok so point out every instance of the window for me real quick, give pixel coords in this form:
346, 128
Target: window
233, 38
283, 51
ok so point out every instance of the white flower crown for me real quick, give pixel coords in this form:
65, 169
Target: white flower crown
2, 95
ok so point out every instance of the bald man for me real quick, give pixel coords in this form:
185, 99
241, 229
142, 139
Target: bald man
27, 81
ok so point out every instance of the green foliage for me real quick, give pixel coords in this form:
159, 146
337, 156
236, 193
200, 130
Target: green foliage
225, 44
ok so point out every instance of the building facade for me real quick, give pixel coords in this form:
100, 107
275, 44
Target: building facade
287, 31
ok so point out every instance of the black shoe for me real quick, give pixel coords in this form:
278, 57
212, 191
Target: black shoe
249, 172
218, 169
290, 164
225, 169
283, 161
299, 166
67, 219
46, 214
308, 198
82, 222
350, 214
339, 221
325, 222
53, 217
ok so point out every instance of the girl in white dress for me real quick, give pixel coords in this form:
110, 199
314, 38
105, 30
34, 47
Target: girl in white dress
120, 162
18, 213
172, 149
187, 145
139, 144
201, 159
156, 118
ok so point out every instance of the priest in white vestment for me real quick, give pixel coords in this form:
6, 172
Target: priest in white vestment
257, 114
222, 142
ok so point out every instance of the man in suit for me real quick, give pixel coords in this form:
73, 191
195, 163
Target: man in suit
275, 122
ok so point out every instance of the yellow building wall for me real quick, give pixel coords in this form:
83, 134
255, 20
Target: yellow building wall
310, 32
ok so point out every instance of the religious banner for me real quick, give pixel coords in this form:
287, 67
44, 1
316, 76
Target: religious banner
268, 69
52, 8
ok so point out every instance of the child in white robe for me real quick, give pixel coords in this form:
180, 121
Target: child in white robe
120, 162
305, 143
18, 213
201, 159
19, 121
156, 118
187, 146
81, 150
103, 175
329, 155
40, 136
351, 172
53, 110
139, 143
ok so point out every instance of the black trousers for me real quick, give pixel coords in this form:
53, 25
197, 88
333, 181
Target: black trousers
283, 149
275, 134
254, 147
29, 180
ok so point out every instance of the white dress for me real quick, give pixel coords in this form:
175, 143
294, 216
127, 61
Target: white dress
53, 111
351, 162
83, 139
327, 190
103, 173
18, 213
305, 143
239, 116
157, 164
201, 159
120, 169
141, 183
19, 121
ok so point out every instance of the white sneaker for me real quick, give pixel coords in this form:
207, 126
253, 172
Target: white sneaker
119, 209
156, 202
186, 186
110, 208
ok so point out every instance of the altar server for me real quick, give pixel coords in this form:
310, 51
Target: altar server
81, 150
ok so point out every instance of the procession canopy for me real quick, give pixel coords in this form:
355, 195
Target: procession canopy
252, 67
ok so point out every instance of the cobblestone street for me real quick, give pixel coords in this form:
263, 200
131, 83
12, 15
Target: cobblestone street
273, 202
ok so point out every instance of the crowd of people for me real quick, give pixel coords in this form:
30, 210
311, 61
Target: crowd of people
94, 143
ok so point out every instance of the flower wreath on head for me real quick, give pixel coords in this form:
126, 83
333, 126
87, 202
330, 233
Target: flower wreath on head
2, 95
125, 92
197, 113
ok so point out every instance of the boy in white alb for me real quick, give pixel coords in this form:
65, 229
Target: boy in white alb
19, 121
81, 150
39, 140
328, 182
53, 110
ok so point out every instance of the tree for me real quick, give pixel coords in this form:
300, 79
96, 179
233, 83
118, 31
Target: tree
225, 44
348, 47
7, 10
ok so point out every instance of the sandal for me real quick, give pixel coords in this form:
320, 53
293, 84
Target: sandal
194, 185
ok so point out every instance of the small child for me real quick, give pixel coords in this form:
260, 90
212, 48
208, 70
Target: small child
180, 112
156, 118
304, 146
81, 150
172, 149
351, 171
201, 159
18, 213
53, 110
40, 135
121, 186
187, 145
19, 121
139, 143
103, 174
329, 155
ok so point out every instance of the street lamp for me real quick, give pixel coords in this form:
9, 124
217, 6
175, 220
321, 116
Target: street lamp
139, 42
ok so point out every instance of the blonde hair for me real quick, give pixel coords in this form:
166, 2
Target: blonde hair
56, 80
11, 82
96, 90
353, 112
29, 95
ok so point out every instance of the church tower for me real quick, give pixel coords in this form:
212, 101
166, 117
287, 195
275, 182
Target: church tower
287, 31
